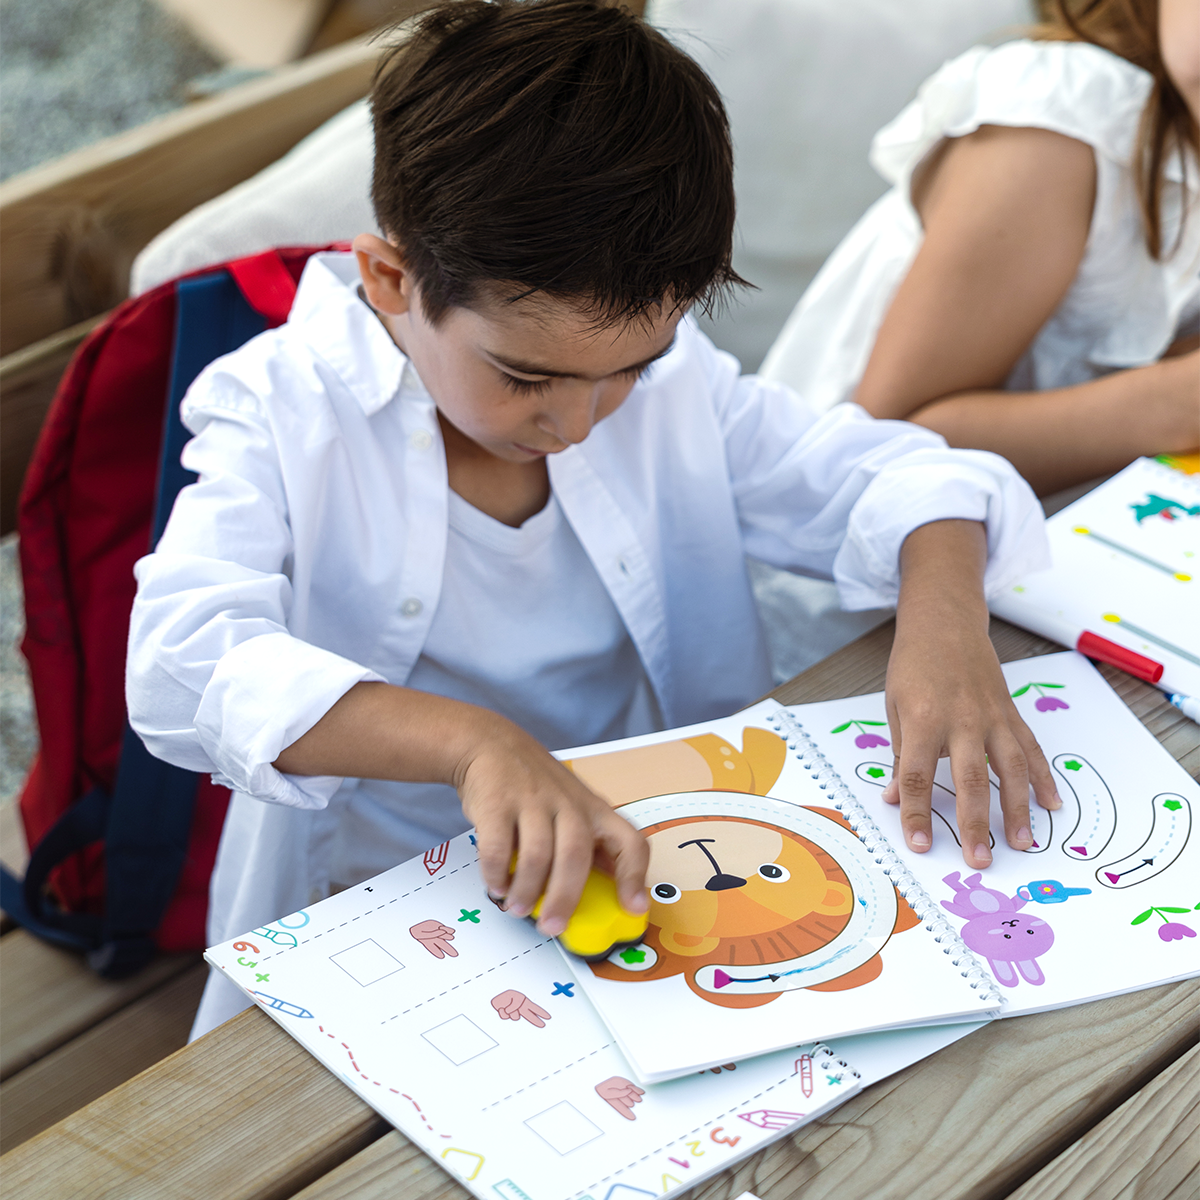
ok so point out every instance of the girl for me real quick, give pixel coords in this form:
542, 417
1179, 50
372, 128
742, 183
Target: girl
1030, 284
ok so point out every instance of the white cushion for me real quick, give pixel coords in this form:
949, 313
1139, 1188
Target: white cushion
318, 192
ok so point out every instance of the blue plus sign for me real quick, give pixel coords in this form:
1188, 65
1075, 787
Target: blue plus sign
563, 989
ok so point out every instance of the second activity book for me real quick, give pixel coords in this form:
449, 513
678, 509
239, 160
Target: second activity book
1126, 567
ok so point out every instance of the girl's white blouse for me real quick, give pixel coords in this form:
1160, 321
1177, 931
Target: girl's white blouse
1124, 307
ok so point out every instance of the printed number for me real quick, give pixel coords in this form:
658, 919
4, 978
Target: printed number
244, 946
243, 963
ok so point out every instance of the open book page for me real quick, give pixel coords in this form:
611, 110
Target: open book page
770, 922
1126, 567
461, 1026
1108, 899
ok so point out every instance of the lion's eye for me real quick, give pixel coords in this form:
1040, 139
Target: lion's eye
665, 893
774, 872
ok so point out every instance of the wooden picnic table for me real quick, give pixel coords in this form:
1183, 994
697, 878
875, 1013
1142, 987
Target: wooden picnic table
1097, 1101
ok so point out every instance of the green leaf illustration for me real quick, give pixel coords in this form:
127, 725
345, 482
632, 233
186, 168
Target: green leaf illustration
1055, 685
1021, 691
872, 722
842, 728
1175, 910
1142, 917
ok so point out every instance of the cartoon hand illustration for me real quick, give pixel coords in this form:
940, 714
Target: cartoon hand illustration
435, 937
512, 1006
621, 1094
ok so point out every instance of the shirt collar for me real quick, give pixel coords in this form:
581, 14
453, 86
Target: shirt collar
336, 323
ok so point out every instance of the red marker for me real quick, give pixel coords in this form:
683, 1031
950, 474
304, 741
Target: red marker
1085, 641
1138, 665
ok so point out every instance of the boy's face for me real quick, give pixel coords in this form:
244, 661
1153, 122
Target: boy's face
524, 379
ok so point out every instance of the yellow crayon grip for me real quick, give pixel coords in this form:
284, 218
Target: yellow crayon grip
599, 925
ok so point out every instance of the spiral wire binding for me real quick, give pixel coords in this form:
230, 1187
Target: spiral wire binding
826, 777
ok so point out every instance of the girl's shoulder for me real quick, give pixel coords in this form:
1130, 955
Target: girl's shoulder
1072, 88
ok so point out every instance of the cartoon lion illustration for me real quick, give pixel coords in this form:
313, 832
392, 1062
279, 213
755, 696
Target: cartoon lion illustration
746, 894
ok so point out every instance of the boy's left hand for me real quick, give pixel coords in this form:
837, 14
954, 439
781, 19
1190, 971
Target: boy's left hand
946, 696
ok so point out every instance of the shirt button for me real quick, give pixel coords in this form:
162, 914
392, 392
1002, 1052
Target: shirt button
421, 440
411, 607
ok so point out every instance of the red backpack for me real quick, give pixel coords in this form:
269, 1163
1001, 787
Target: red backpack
122, 844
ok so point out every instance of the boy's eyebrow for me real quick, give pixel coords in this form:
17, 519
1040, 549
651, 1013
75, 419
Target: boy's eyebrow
527, 368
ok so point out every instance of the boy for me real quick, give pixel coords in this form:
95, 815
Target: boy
490, 490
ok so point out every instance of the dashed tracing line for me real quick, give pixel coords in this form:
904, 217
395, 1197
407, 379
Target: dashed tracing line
369, 912
534, 1083
818, 1051
395, 1091
464, 983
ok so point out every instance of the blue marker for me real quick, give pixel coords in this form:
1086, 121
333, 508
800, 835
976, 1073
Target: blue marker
292, 1010
1188, 705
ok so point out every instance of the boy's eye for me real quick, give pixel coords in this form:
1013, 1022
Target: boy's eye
525, 387
634, 373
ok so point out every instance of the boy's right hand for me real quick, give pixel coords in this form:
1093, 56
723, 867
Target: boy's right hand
523, 801
520, 799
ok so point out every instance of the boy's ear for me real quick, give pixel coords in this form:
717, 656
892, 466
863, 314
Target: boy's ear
386, 281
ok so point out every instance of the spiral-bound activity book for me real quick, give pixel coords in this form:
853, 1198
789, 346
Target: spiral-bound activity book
775, 914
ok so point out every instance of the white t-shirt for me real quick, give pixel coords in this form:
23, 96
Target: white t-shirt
523, 627
1123, 309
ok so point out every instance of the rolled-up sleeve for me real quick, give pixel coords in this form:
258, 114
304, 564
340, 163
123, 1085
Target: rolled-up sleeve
215, 680
836, 495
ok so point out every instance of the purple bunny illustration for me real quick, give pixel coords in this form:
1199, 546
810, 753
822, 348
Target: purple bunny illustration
1010, 942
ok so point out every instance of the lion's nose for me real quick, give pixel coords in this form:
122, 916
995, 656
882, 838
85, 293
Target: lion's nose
722, 882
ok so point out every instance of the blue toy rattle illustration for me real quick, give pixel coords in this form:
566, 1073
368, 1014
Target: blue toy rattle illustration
1049, 891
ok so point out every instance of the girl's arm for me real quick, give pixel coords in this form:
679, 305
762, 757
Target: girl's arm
1006, 214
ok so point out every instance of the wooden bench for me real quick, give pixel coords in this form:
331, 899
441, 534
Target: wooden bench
1094, 1101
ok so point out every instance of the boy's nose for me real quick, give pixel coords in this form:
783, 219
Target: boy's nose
572, 420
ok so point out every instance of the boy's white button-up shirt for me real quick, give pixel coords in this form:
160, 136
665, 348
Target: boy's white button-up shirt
308, 556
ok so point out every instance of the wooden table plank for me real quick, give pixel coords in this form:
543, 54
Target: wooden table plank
244, 1114
388, 1168
49, 996
99, 1060
1148, 1148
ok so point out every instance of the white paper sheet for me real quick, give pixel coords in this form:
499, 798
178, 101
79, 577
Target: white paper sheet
769, 919
1108, 901
461, 1027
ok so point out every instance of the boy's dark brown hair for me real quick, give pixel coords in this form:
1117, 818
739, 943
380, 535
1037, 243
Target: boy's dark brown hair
552, 146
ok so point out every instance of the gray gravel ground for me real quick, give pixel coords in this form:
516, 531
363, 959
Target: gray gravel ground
18, 734
73, 72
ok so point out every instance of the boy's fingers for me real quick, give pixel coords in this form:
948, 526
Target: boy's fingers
572, 861
1040, 779
891, 791
913, 776
1007, 760
629, 853
973, 790
494, 841
535, 851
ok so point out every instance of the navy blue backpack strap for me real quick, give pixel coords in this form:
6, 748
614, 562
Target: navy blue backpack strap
146, 822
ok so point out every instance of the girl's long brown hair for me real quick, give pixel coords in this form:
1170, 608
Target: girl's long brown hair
1130, 28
